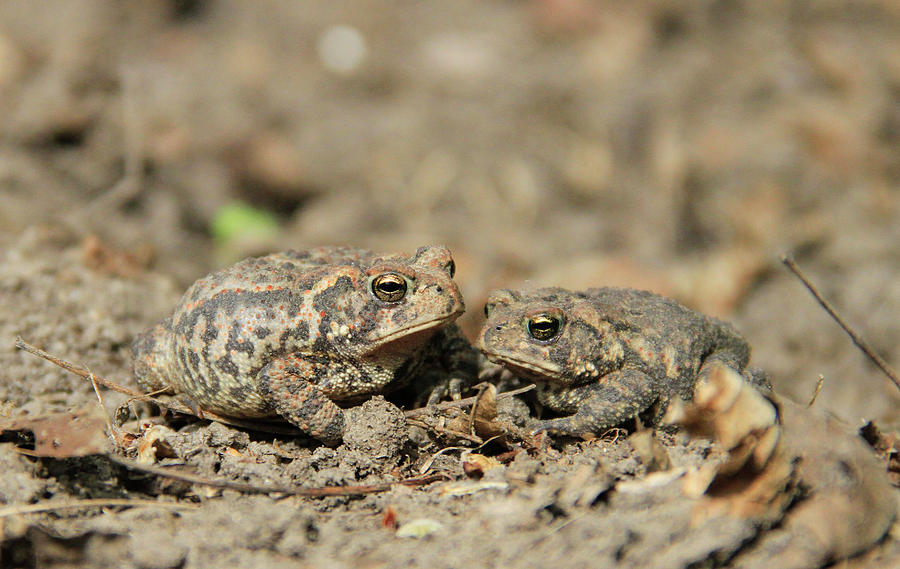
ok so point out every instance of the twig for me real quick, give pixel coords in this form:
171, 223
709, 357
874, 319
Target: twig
91, 503
816, 392
113, 431
171, 405
462, 402
427, 466
857, 339
443, 431
252, 425
260, 489
616, 433
77, 370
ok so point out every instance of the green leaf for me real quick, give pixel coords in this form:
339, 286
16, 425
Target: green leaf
238, 221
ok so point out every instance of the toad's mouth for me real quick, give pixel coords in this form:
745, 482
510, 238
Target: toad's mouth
409, 339
540, 371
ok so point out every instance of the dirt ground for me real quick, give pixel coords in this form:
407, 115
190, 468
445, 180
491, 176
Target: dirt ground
676, 147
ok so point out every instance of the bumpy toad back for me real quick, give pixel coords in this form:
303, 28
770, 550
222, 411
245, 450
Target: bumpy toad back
293, 332
604, 355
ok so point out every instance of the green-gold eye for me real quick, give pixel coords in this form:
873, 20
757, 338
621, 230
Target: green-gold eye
544, 327
389, 287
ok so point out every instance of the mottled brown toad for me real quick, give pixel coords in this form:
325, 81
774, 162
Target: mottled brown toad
293, 333
605, 355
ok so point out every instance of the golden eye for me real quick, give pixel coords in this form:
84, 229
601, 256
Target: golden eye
389, 287
544, 327
487, 310
451, 268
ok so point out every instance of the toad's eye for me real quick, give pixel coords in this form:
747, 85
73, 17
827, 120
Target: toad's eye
451, 268
487, 309
544, 327
389, 287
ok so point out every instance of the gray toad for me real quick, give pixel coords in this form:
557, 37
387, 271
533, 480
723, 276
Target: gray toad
292, 333
604, 355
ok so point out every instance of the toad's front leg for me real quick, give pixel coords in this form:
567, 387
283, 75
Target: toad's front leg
285, 383
615, 398
452, 366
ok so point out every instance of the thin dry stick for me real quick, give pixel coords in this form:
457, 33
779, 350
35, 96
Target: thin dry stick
443, 431
462, 402
113, 431
818, 389
252, 425
427, 466
91, 503
860, 343
77, 370
259, 489
171, 405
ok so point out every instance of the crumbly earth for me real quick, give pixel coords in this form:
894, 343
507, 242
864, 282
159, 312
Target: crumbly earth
678, 147
571, 504
605, 355
293, 333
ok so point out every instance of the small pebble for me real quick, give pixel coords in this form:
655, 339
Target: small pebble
342, 49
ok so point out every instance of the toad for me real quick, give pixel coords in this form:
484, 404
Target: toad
606, 355
298, 334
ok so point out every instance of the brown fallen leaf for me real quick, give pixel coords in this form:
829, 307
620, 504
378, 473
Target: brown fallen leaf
63, 435
477, 425
152, 445
485, 414
475, 465
792, 465
757, 478
847, 505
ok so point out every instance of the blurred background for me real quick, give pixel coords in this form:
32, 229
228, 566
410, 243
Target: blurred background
679, 147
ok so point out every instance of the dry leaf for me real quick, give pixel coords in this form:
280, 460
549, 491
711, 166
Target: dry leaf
152, 445
847, 508
725, 407
64, 435
787, 456
475, 465
485, 412
756, 478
